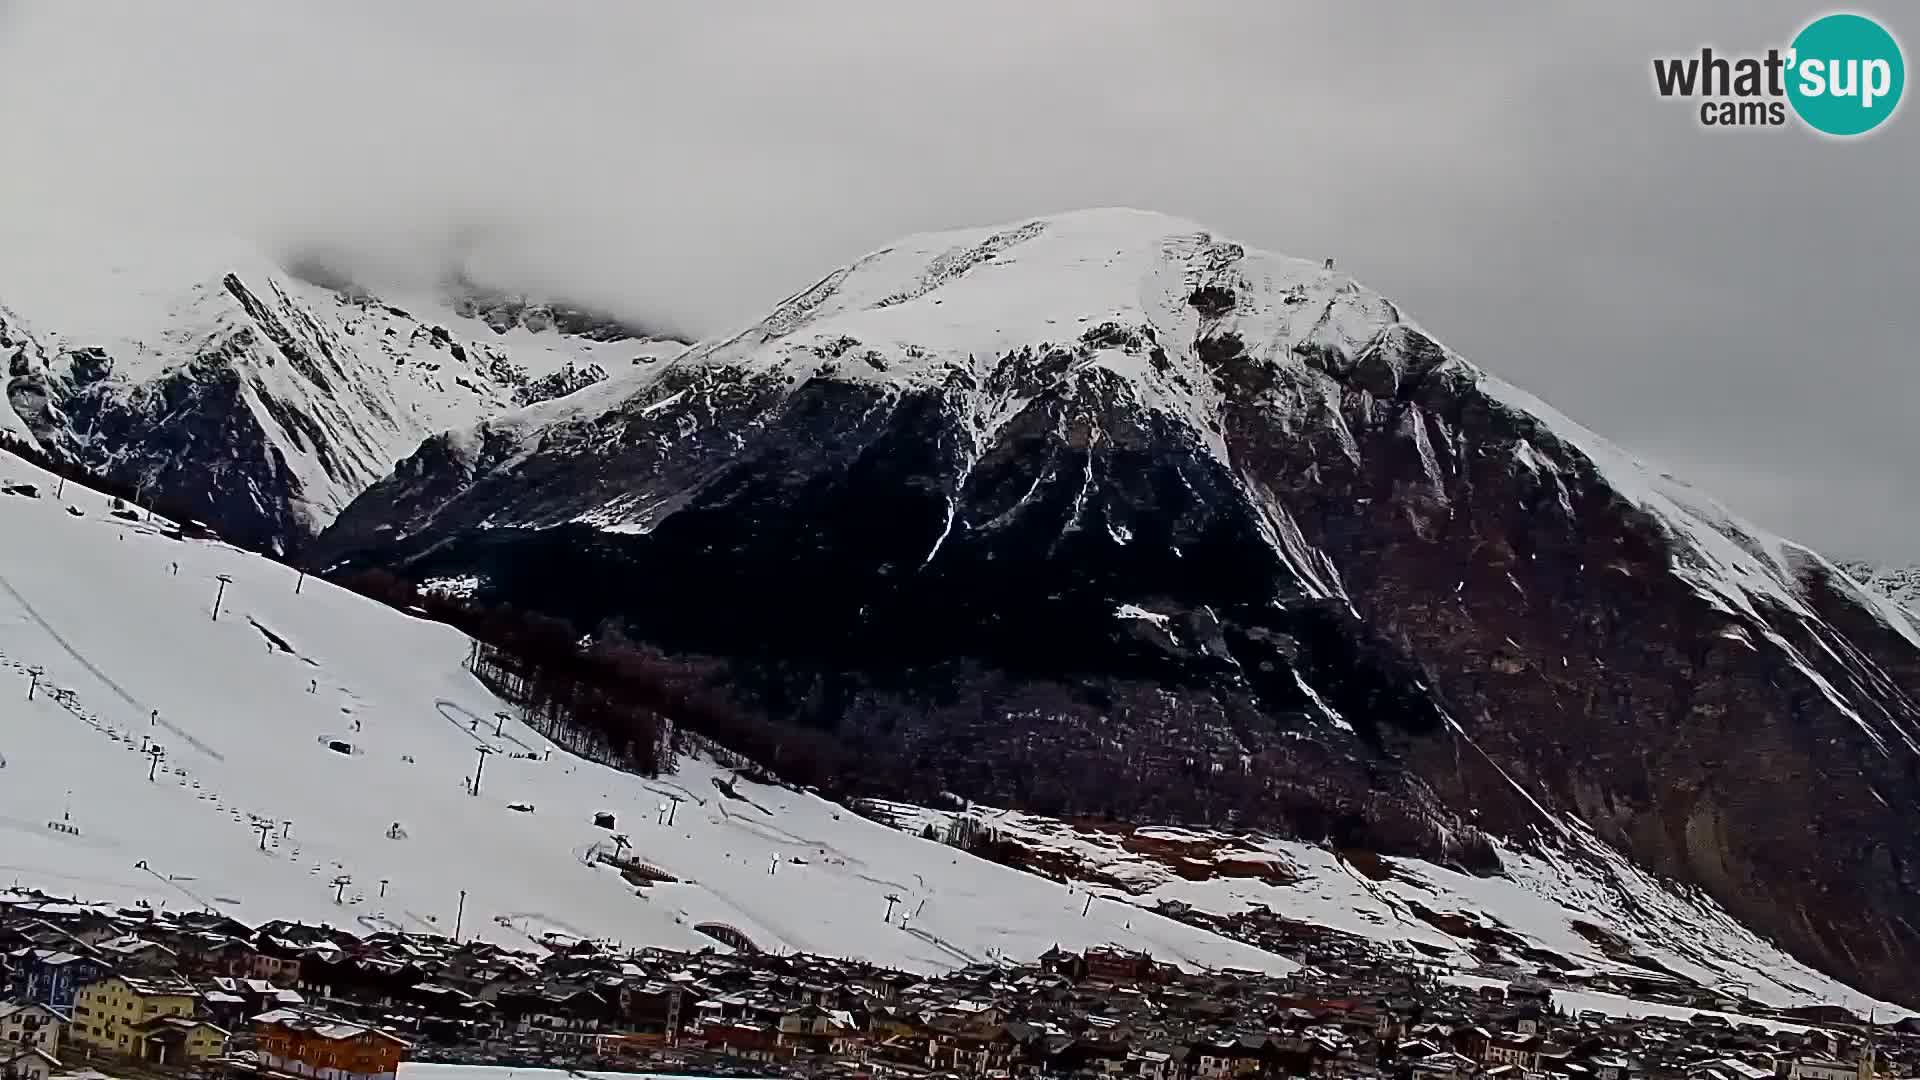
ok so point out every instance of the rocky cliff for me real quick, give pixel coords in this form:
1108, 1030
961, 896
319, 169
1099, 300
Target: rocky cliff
263, 403
1103, 513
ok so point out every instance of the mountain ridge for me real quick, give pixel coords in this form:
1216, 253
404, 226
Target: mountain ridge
1900, 584
222, 383
1224, 524
352, 694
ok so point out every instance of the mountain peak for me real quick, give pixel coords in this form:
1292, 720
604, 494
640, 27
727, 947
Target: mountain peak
1145, 304
1023, 510
246, 394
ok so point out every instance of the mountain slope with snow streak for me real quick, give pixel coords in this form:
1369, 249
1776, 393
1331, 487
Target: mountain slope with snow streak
1900, 584
94, 603
1582, 909
1104, 514
262, 403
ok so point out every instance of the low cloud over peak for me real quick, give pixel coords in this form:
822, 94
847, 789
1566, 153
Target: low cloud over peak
1731, 302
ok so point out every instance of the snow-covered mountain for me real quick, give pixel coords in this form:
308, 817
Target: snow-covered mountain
1594, 913
1104, 514
351, 731
260, 402
338, 719
1901, 584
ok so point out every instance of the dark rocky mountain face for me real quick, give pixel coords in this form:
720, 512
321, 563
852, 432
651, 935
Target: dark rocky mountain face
1104, 515
262, 401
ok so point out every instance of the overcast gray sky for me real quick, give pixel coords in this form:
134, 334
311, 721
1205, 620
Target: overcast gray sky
1737, 305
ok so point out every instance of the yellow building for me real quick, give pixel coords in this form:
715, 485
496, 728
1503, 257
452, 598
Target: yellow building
180, 1040
109, 1016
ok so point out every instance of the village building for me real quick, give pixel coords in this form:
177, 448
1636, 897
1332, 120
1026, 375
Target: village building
179, 1040
30, 1025
1350, 1013
1808, 1067
326, 1047
27, 1063
108, 1015
52, 977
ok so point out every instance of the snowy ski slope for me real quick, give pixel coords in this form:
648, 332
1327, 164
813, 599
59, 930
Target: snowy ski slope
1540, 898
96, 603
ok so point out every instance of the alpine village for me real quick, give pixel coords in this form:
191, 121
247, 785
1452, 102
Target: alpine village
144, 994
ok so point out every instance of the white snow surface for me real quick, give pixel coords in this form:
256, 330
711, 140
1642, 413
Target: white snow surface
936, 303
155, 303
94, 602
1537, 898
1901, 584
908, 316
933, 305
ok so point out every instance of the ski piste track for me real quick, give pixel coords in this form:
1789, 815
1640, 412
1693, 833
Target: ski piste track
108, 639
69, 702
471, 728
105, 679
147, 639
763, 915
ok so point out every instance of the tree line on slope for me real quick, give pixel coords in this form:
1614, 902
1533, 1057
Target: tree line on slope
74, 472
630, 705
608, 698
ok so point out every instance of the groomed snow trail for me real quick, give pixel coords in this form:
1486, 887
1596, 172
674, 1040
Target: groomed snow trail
94, 602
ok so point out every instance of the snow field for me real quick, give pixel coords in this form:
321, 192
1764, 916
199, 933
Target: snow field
246, 707
1538, 899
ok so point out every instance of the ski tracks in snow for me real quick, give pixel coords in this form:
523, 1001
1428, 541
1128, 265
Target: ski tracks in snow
472, 730
105, 679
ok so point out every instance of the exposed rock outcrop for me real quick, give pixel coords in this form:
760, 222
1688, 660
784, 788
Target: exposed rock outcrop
1102, 513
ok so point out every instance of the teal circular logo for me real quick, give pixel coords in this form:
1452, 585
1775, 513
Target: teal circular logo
1847, 74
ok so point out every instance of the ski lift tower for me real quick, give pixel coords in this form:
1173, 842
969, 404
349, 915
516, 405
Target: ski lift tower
224, 580
484, 751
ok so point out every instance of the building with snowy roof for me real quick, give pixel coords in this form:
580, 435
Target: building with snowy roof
324, 1047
